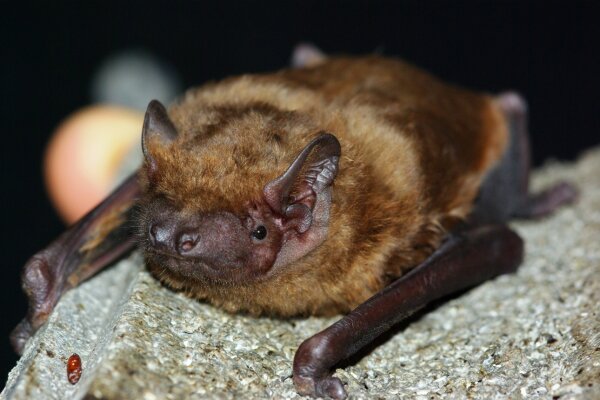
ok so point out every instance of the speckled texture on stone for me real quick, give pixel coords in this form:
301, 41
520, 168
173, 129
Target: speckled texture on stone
81, 323
534, 334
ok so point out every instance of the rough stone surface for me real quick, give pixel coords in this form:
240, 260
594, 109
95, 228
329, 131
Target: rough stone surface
534, 334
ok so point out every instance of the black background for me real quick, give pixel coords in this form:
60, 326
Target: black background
547, 50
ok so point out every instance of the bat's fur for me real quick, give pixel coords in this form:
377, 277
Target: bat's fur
414, 153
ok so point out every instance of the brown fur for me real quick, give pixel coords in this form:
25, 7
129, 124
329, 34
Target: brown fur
414, 152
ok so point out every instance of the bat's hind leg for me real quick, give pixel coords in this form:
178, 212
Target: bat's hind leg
505, 192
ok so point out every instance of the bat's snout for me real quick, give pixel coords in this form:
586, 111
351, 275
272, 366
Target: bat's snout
218, 240
163, 236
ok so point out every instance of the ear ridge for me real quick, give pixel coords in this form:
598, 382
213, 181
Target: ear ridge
319, 174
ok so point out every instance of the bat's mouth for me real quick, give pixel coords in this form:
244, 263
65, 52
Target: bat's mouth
186, 268
164, 254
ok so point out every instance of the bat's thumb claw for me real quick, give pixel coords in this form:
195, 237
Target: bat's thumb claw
20, 335
332, 387
325, 387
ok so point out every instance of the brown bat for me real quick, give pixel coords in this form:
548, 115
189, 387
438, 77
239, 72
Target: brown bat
361, 186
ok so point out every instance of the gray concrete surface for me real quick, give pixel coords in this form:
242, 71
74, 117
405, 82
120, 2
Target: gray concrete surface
534, 334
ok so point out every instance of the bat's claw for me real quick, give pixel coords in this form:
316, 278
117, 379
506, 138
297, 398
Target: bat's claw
20, 335
563, 193
328, 387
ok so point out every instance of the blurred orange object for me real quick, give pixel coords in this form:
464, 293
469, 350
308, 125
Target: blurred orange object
84, 156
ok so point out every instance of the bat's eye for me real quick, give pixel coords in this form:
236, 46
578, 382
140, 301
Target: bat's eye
259, 233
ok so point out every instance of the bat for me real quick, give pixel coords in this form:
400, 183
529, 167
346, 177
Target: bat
360, 186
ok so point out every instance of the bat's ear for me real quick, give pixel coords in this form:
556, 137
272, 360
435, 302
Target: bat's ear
157, 127
309, 177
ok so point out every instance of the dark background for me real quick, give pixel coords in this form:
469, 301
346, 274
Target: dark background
547, 50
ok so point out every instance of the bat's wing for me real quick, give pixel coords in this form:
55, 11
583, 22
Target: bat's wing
505, 193
96, 240
307, 55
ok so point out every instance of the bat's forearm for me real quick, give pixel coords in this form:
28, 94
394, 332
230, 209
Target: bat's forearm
462, 261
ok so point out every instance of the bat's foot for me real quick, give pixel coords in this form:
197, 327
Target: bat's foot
328, 387
546, 202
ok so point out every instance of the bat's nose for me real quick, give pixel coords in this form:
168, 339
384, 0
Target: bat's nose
161, 235
167, 236
218, 240
186, 242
